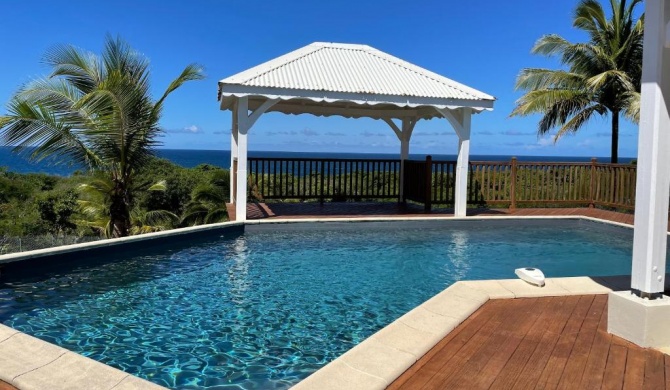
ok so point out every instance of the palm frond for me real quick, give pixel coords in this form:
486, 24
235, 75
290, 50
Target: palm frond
601, 75
578, 119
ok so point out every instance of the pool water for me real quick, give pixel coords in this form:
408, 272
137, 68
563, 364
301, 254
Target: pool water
267, 307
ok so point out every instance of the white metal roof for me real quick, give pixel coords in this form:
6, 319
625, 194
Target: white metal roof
331, 78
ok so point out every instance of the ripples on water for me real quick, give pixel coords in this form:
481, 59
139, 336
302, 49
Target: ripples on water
265, 309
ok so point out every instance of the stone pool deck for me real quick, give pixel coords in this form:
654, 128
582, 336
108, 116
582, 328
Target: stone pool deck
29, 363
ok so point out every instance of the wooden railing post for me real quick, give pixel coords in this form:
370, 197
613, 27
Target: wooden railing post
513, 185
592, 191
429, 184
323, 171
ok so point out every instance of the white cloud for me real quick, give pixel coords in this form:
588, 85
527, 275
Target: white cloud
542, 142
587, 143
192, 129
307, 132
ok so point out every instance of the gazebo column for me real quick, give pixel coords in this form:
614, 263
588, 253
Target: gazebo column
461, 122
642, 314
404, 137
233, 155
244, 122
462, 166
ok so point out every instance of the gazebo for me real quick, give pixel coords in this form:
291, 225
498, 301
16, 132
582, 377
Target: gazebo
352, 81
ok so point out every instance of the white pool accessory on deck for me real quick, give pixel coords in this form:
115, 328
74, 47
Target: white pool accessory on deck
531, 275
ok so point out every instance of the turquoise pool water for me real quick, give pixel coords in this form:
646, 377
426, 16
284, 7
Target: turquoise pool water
267, 307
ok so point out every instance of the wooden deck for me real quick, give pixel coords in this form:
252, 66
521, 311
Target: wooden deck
538, 343
371, 209
6, 386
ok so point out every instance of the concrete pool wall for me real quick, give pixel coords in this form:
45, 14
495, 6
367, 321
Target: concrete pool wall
29, 363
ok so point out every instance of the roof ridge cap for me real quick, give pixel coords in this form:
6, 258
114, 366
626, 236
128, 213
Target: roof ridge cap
427, 73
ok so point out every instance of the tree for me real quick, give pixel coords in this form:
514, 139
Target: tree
208, 203
96, 111
603, 76
96, 199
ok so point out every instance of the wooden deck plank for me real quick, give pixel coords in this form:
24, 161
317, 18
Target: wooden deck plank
574, 368
531, 373
634, 377
654, 370
6, 386
594, 370
513, 355
613, 378
483, 368
553, 371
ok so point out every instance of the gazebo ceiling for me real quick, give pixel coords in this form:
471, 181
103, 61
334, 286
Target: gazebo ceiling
349, 80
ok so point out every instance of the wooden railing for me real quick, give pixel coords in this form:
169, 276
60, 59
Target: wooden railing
532, 183
323, 179
507, 183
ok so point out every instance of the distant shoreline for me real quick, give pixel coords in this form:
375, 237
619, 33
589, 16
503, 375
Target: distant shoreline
190, 158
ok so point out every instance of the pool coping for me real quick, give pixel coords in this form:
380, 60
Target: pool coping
30, 363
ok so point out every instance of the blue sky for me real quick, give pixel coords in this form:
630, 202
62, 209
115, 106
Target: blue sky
481, 43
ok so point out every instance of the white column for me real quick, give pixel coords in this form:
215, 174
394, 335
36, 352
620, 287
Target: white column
233, 153
641, 316
462, 164
653, 165
244, 122
242, 130
405, 136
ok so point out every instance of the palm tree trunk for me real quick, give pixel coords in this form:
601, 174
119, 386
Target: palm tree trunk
615, 137
119, 212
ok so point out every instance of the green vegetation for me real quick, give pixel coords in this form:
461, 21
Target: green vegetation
208, 204
96, 111
70, 209
603, 75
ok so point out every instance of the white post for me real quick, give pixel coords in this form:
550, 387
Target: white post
641, 315
233, 153
462, 164
653, 165
244, 123
242, 113
405, 136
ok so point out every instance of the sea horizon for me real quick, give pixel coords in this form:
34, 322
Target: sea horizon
190, 158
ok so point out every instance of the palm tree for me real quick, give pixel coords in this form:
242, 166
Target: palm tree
208, 204
95, 201
96, 111
603, 75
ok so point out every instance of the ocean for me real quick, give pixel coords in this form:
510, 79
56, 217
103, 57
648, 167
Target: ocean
191, 158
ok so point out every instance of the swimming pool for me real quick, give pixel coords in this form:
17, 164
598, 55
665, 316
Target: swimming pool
267, 307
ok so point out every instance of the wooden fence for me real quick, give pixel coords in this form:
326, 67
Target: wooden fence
506, 183
562, 184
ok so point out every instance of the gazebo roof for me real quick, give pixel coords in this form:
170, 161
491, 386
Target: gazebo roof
349, 80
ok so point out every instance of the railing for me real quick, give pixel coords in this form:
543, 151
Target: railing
508, 183
324, 179
531, 183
